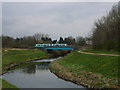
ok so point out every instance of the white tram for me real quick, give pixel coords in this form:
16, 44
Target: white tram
43, 45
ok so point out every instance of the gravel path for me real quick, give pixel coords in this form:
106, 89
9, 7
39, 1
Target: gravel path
98, 53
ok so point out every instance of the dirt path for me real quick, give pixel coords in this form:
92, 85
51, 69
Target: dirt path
98, 53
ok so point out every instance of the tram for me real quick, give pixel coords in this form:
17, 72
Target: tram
44, 45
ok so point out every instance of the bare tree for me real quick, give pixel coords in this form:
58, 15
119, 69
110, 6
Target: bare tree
107, 30
38, 36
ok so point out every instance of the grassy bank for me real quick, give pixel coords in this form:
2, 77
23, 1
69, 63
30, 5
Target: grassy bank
6, 85
15, 57
89, 70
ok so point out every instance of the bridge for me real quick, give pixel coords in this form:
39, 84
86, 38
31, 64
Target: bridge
54, 46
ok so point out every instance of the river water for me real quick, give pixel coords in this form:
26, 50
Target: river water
37, 75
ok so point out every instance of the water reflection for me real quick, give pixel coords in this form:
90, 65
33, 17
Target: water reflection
37, 75
31, 69
42, 66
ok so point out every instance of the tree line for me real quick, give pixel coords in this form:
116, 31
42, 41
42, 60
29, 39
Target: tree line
107, 30
30, 41
105, 35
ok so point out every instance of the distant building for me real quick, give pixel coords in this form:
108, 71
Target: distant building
89, 42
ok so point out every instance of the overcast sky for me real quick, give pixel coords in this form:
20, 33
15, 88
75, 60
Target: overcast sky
56, 19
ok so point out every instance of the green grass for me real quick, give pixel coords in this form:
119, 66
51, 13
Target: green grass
101, 51
98, 71
6, 84
10, 56
18, 56
105, 65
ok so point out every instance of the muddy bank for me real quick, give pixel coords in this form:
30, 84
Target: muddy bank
87, 79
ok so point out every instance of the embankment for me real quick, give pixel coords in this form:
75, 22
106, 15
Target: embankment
7, 85
15, 57
93, 71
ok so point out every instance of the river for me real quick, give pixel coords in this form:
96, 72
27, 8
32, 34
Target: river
37, 75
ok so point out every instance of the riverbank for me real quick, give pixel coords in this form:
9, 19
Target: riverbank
14, 57
93, 71
6, 84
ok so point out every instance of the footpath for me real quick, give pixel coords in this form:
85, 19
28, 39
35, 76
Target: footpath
97, 53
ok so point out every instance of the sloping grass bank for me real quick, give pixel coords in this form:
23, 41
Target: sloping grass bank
7, 85
94, 71
11, 57
15, 57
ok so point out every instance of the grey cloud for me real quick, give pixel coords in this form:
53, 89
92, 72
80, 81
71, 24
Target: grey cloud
56, 19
